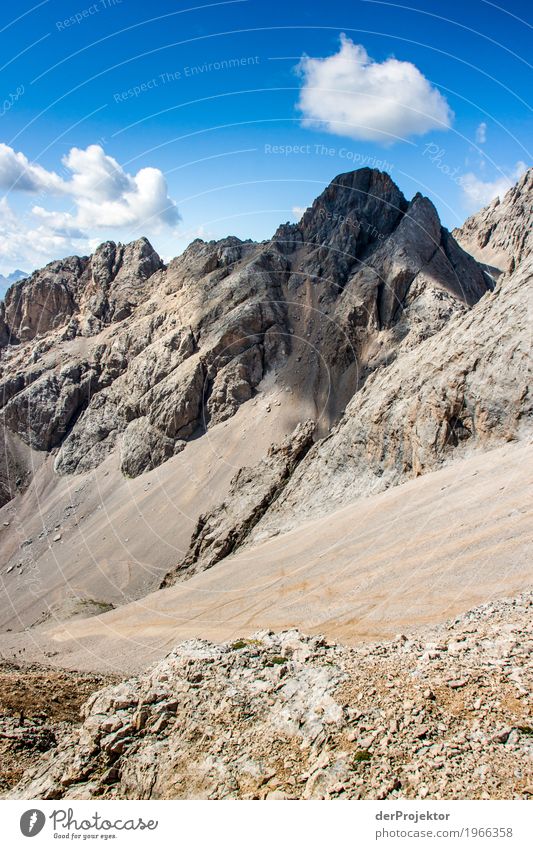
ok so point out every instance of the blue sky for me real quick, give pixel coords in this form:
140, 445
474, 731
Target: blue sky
179, 120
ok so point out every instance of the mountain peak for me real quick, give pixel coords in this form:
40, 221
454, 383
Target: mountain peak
501, 234
367, 201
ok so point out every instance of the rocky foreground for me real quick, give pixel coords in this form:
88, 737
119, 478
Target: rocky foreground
443, 713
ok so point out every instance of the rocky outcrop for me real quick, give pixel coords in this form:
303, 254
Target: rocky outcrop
234, 384
43, 411
16, 464
177, 375
441, 713
163, 384
119, 279
44, 301
144, 447
362, 225
252, 491
352, 216
91, 290
360, 258
501, 235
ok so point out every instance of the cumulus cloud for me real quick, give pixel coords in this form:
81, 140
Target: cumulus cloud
94, 194
104, 195
350, 94
18, 174
109, 197
95, 175
481, 133
478, 193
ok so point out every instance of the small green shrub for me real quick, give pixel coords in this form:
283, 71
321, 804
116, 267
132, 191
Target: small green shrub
362, 755
242, 644
275, 661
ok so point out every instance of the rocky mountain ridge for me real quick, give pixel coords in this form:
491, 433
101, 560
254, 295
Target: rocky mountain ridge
501, 234
116, 350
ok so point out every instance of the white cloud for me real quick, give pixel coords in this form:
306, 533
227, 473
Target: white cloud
350, 94
95, 175
109, 197
103, 197
478, 193
18, 174
481, 133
